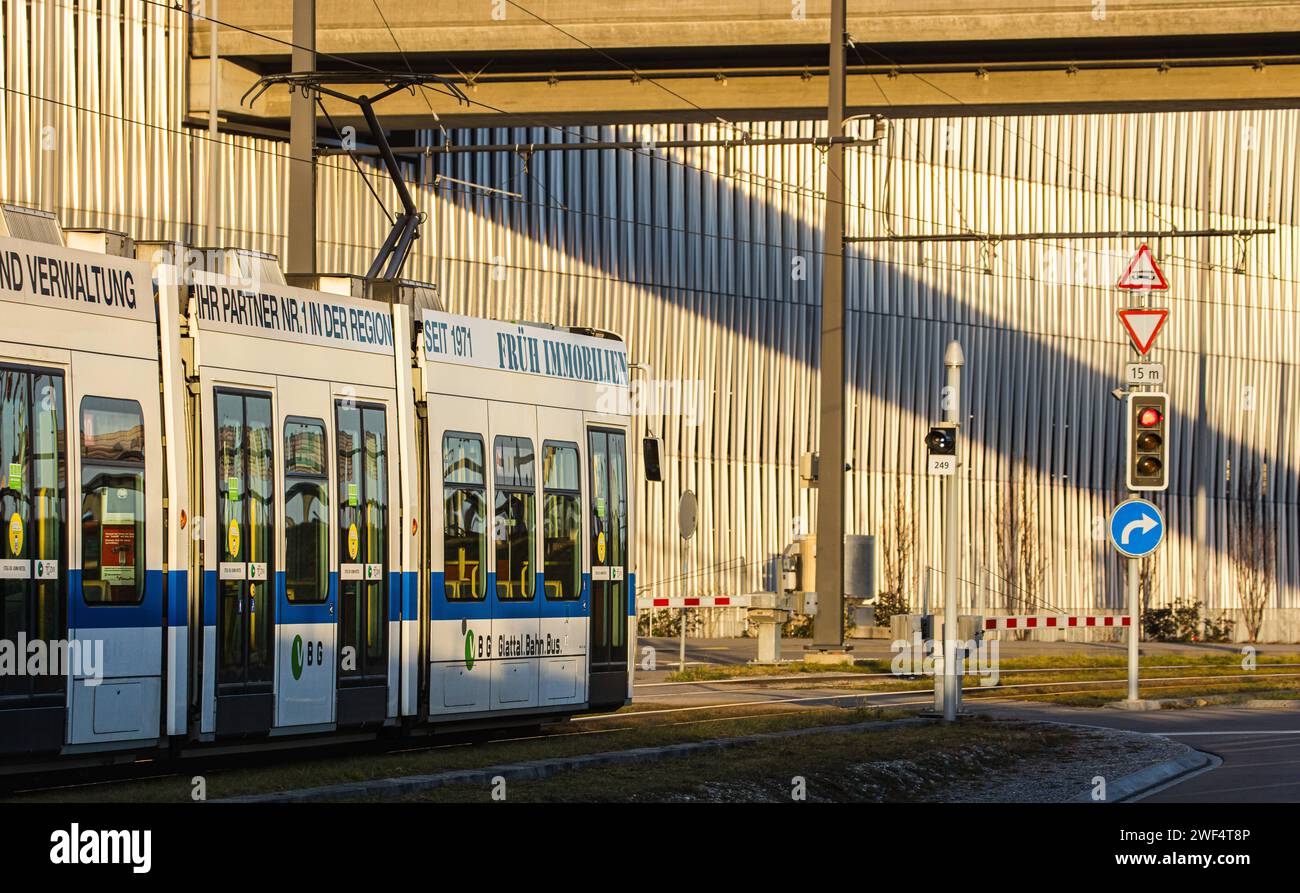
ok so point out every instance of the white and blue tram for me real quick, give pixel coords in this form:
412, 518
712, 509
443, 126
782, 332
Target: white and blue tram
236, 509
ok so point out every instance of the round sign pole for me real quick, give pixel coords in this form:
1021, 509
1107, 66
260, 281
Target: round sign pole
686, 512
1134, 618
1134, 611
1137, 527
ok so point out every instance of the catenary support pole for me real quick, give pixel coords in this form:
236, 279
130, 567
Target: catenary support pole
214, 157
300, 254
828, 623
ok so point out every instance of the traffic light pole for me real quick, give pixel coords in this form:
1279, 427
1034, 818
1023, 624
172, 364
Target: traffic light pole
1134, 571
1133, 620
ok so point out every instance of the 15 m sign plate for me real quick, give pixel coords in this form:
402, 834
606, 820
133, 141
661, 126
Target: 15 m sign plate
1145, 373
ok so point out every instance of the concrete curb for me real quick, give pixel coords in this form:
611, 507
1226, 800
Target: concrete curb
1224, 701
1146, 780
1273, 704
1136, 705
537, 769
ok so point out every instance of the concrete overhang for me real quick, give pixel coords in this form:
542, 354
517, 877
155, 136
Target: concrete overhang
602, 62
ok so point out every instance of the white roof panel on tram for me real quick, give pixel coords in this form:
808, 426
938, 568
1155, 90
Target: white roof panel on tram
524, 349
44, 275
286, 313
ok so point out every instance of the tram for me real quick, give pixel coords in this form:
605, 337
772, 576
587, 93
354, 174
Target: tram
238, 509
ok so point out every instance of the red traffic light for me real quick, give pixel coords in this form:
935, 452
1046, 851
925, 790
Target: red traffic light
1149, 417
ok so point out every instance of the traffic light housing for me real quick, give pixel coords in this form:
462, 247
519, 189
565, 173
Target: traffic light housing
942, 440
1147, 466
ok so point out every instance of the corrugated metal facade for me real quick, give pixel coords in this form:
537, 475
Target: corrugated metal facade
708, 262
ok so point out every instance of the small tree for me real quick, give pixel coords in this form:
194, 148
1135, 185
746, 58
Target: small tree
897, 547
1022, 561
1007, 535
1033, 556
1148, 579
1252, 543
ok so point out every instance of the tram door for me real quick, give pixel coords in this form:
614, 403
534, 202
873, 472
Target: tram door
607, 547
363, 566
245, 509
33, 555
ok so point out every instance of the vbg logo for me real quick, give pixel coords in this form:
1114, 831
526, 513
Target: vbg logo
313, 651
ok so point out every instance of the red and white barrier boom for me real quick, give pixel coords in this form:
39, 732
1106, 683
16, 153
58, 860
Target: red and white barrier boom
704, 601
1053, 621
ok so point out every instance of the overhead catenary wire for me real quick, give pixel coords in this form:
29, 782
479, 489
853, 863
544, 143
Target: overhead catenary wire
894, 67
793, 250
852, 43
733, 177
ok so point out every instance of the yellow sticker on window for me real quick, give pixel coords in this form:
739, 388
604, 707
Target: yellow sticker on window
354, 541
600, 547
232, 539
15, 534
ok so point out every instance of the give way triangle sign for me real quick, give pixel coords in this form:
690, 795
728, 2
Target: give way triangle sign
1142, 325
1142, 272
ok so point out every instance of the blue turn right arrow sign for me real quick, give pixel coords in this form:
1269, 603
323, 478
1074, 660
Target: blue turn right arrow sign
1136, 528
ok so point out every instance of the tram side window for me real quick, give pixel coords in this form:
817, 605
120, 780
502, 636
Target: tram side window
464, 486
516, 512
306, 515
112, 501
561, 521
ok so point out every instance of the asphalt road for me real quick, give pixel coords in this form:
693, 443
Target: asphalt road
1260, 749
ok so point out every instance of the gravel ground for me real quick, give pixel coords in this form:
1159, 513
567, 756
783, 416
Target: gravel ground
1110, 753
974, 773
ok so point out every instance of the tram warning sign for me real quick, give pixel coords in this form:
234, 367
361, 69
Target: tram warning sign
1142, 325
1142, 272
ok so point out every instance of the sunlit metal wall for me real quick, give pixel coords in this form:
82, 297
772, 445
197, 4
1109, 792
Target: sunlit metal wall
708, 262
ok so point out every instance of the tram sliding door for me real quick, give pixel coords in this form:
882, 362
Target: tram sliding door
460, 527
306, 624
514, 581
607, 545
565, 587
245, 513
33, 556
363, 456
115, 578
